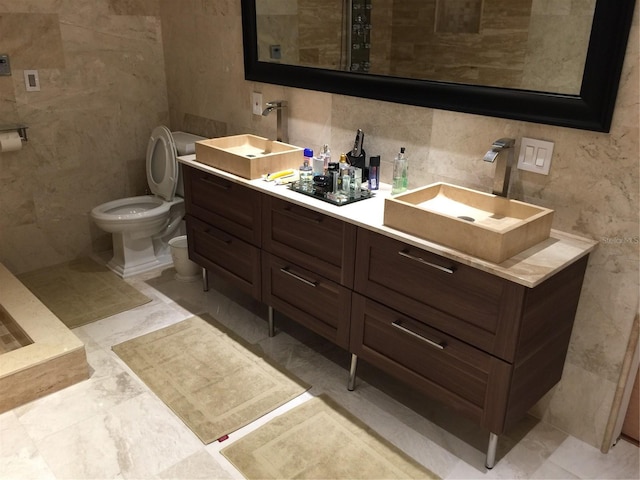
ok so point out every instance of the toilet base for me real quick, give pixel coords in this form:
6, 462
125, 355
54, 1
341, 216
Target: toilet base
134, 256
126, 271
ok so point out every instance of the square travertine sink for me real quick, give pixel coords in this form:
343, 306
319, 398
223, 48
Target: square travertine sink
484, 225
248, 156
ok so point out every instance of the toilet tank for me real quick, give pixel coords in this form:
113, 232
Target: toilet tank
185, 145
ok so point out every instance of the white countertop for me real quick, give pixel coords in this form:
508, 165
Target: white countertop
528, 268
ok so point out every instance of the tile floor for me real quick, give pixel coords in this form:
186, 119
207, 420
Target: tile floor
113, 426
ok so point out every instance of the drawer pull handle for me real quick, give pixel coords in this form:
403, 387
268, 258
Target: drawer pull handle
222, 240
439, 344
216, 184
298, 277
423, 261
317, 219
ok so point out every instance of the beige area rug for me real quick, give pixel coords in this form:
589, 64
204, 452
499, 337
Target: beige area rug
212, 379
82, 291
320, 440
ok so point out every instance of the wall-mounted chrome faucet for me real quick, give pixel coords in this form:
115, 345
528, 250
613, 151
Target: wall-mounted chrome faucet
282, 121
502, 176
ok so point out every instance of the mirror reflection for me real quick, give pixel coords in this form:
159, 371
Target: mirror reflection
538, 45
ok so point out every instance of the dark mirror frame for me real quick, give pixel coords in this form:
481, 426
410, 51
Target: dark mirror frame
592, 109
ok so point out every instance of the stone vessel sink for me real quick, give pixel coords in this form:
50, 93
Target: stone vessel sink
484, 225
248, 156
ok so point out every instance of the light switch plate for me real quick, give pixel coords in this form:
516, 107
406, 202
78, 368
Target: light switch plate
256, 102
31, 80
535, 155
5, 65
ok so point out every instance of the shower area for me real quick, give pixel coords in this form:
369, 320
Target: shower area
38, 353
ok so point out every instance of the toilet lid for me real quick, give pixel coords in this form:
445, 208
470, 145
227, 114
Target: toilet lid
162, 167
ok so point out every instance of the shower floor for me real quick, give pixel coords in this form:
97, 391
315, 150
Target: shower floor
11, 335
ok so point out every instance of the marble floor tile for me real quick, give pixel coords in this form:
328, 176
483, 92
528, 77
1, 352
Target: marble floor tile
133, 323
585, 461
113, 427
19, 455
199, 466
136, 439
78, 402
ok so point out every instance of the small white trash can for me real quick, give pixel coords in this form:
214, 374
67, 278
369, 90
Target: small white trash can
186, 270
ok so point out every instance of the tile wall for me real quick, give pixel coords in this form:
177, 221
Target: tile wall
101, 70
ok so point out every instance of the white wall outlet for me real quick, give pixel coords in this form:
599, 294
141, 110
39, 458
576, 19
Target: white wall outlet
31, 80
256, 102
535, 155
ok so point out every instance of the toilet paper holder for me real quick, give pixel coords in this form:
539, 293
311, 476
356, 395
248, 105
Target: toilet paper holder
21, 129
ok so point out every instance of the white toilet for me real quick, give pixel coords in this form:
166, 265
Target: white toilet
141, 227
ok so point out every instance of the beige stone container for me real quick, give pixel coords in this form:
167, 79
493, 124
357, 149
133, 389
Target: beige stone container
480, 224
248, 156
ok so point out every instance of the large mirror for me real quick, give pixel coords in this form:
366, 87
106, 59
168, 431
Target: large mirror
556, 62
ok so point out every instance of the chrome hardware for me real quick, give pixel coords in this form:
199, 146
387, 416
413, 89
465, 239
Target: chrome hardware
298, 277
449, 270
439, 344
282, 120
502, 176
215, 184
491, 451
352, 373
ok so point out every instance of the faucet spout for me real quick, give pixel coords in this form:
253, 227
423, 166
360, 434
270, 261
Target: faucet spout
282, 121
502, 176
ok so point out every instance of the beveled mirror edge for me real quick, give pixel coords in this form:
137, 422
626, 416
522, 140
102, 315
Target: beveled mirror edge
592, 109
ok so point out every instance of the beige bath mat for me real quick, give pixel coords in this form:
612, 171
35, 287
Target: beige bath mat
214, 381
82, 291
319, 439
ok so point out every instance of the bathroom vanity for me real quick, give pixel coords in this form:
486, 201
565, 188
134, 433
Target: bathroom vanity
488, 340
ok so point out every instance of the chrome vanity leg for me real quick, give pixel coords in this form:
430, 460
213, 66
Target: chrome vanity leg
491, 451
272, 329
205, 280
352, 373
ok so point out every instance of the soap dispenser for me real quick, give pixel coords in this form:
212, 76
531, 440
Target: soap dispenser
400, 173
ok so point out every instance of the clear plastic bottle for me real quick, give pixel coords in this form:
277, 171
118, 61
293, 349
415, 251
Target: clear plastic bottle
326, 157
400, 173
343, 170
306, 172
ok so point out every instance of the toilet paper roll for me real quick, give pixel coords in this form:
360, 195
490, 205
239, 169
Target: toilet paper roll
10, 142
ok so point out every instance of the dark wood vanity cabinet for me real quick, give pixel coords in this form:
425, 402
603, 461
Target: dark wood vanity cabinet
485, 346
312, 300
224, 229
310, 239
307, 267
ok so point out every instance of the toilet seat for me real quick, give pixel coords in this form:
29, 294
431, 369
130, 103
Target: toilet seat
162, 166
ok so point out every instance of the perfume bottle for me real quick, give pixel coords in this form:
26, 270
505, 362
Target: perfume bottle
400, 173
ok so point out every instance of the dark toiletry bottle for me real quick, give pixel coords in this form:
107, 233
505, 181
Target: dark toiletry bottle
333, 173
374, 173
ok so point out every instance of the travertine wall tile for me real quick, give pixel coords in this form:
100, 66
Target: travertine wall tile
102, 92
32, 39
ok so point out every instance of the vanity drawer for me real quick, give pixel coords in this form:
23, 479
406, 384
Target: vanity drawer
226, 256
227, 205
308, 298
474, 306
310, 239
466, 378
